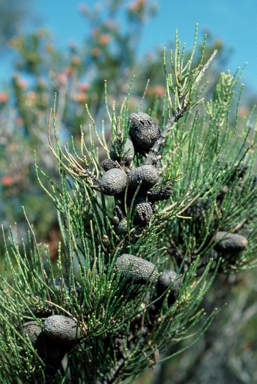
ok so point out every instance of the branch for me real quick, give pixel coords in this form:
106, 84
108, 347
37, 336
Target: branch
154, 153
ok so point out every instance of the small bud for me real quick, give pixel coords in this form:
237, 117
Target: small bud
145, 176
115, 220
62, 329
113, 182
105, 240
136, 269
229, 243
143, 130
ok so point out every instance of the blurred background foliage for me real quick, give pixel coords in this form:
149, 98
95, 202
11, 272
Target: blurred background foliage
78, 74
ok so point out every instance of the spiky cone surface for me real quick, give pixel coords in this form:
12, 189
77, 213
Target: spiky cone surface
143, 130
62, 329
135, 269
229, 243
113, 182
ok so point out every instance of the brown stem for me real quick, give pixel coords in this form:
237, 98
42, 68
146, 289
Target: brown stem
154, 153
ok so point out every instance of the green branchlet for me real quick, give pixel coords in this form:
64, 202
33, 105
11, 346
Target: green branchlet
211, 189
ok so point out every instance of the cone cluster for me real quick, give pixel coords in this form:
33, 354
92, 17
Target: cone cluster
135, 189
52, 339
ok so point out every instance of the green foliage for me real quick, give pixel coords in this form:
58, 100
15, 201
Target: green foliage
77, 74
207, 153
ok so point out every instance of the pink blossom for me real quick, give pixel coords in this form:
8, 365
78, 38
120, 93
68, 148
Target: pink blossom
83, 87
62, 78
22, 83
3, 97
104, 39
7, 180
80, 97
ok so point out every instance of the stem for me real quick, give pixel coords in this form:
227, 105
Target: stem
154, 153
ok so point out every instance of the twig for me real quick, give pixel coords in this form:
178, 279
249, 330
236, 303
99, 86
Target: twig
154, 153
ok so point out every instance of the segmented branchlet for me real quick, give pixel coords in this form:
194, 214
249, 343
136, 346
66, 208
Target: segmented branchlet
39, 311
237, 172
60, 288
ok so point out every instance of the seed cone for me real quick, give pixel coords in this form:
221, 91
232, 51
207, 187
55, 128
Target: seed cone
168, 278
32, 330
62, 329
136, 269
50, 351
113, 182
162, 193
229, 242
143, 213
52, 354
145, 176
108, 164
143, 130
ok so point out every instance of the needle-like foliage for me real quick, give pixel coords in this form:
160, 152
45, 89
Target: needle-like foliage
144, 234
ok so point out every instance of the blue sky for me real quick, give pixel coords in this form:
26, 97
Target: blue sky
232, 21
